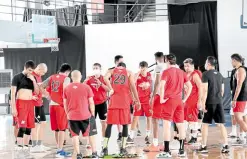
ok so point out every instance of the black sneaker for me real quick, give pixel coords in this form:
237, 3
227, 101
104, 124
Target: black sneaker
225, 149
139, 133
203, 149
130, 141
104, 152
64, 143
30, 142
176, 138
147, 140
123, 152
79, 156
119, 137
181, 153
192, 141
95, 155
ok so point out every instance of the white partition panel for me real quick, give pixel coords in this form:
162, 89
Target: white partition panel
135, 41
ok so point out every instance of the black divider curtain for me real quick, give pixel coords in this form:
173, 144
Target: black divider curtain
71, 50
71, 16
203, 13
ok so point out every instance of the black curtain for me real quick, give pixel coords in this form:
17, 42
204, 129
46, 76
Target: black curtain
71, 16
71, 50
184, 42
205, 14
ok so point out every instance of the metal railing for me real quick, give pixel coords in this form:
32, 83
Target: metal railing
97, 13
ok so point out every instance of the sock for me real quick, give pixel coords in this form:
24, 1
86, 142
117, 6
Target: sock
234, 129
124, 141
199, 125
181, 144
148, 133
34, 143
132, 134
155, 141
241, 136
166, 144
105, 144
39, 142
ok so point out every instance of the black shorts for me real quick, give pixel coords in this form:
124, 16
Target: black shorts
200, 115
214, 112
39, 114
101, 110
86, 127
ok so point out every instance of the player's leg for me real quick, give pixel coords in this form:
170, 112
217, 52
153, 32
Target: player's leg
62, 124
219, 118
148, 114
124, 120
120, 129
234, 125
102, 111
15, 125
41, 130
133, 126
92, 136
238, 115
139, 133
192, 118
199, 122
75, 128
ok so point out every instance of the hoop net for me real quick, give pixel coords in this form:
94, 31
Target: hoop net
53, 43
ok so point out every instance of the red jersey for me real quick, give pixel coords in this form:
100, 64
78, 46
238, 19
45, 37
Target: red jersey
56, 88
175, 79
120, 84
144, 94
77, 95
98, 91
194, 92
39, 102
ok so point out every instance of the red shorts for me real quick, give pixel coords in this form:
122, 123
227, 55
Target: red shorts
191, 111
118, 116
58, 118
173, 110
240, 106
25, 113
157, 108
145, 110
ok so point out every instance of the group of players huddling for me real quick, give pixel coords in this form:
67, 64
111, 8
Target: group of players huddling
171, 95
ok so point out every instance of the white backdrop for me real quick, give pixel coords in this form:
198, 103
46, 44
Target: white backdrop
135, 41
231, 38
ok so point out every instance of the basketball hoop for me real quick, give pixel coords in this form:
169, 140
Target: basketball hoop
53, 42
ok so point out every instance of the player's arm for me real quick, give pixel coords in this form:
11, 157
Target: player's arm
43, 87
241, 75
107, 79
156, 84
66, 82
198, 83
91, 101
188, 86
13, 95
133, 87
204, 94
35, 85
136, 76
104, 86
65, 101
223, 89
162, 90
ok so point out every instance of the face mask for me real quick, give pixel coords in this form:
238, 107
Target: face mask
96, 72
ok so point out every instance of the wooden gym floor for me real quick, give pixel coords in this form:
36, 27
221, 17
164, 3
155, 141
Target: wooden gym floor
7, 143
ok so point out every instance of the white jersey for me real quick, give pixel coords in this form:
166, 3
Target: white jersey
159, 70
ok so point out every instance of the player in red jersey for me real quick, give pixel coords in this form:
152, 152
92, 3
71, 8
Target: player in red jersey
58, 118
99, 88
122, 82
143, 86
40, 119
193, 103
171, 86
79, 107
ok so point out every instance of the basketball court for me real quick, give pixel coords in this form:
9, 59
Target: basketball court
95, 32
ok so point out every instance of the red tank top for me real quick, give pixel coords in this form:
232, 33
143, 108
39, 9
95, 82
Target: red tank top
194, 92
56, 88
144, 94
120, 84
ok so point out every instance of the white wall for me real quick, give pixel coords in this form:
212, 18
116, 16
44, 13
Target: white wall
135, 41
231, 38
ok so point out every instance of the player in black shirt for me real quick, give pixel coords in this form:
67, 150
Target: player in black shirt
212, 105
239, 91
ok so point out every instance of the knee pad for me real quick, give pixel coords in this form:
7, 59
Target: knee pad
193, 126
21, 132
28, 131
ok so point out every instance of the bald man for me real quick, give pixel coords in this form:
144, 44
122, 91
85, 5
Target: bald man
40, 119
79, 107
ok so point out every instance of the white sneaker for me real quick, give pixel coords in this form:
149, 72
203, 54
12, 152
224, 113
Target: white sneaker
45, 147
37, 149
232, 135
